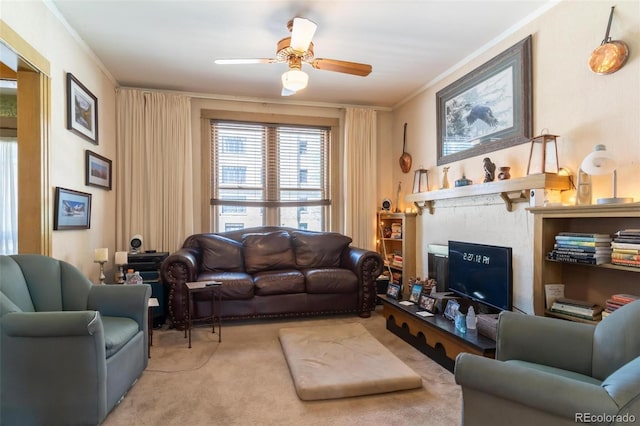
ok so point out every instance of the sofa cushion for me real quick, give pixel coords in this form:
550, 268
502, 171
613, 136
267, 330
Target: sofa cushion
278, 282
330, 280
117, 332
221, 254
235, 285
318, 250
268, 252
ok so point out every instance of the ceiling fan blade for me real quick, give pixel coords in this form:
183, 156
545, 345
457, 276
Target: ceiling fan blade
245, 61
346, 67
287, 92
302, 33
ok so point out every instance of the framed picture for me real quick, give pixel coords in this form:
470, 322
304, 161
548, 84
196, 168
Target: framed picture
98, 170
490, 108
452, 307
393, 290
72, 210
82, 110
428, 303
416, 291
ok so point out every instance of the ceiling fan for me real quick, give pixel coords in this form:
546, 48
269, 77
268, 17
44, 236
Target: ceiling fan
295, 51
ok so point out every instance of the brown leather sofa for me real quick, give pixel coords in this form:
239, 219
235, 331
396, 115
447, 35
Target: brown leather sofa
273, 272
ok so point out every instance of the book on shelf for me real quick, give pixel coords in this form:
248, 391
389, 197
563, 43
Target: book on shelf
578, 303
583, 234
579, 254
553, 292
624, 256
572, 243
628, 232
630, 240
578, 308
596, 317
626, 251
584, 249
624, 298
630, 246
572, 239
573, 259
624, 262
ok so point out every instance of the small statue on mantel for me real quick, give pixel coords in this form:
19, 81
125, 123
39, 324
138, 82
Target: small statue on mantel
489, 170
445, 177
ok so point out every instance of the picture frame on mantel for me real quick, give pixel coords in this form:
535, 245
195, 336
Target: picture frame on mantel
488, 109
82, 110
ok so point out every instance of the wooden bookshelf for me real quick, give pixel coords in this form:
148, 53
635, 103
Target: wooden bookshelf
405, 245
593, 283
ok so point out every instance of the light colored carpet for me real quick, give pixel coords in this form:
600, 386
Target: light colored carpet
338, 361
245, 381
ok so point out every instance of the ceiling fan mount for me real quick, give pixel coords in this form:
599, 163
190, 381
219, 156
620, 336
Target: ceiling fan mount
298, 49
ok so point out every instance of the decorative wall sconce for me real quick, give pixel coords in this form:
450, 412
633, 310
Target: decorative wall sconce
421, 180
547, 142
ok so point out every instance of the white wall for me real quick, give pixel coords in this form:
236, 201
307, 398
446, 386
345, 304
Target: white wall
583, 108
35, 23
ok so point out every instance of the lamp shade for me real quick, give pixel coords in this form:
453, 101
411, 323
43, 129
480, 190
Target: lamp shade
598, 162
302, 33
294, 80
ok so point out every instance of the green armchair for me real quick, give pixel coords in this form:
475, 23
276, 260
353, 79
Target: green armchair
69, 349
549, 371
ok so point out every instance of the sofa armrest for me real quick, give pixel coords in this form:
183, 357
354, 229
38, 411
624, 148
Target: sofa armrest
367, 265
131, 301
539, 390
181, 266
624, 387
51, 324
549, 341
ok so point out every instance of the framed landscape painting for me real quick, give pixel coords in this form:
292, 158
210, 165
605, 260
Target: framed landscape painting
82, 110
98, 170
72, 210
488, 109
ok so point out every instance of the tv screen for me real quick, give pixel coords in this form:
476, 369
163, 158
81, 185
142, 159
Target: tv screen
482, 273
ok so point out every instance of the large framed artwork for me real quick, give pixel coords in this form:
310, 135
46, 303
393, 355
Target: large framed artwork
488, 109
82, 110
72, 210
98, 170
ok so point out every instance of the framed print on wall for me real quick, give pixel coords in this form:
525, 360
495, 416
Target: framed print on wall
98, 170
82, 110
72, 210
490, 108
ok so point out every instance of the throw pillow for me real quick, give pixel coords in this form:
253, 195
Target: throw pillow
268, 252
318, 249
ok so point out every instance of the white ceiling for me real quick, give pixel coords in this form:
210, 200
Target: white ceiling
171, 44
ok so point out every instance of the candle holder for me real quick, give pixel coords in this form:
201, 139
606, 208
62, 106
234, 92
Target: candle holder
102, 276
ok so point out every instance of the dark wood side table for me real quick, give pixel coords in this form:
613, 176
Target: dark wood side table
212, 287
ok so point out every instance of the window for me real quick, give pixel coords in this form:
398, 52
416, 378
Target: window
279, 176
231, 226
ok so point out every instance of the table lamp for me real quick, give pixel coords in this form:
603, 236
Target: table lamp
601, 162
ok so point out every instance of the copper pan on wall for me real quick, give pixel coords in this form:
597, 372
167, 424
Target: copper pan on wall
611, 55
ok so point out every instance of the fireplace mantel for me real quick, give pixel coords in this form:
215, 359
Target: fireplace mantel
511, 190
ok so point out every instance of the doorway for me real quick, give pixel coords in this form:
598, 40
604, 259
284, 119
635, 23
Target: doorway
33, 94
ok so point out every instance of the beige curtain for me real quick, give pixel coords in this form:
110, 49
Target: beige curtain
154, 180
361, 178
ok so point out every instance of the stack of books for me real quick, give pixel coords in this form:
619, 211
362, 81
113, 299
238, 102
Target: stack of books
626, 248
577, 309
578, 247
616, 301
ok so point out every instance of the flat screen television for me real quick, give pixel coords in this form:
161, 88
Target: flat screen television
482, 273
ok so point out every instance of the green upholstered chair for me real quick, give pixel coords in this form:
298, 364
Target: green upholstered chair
70, 350
549, 371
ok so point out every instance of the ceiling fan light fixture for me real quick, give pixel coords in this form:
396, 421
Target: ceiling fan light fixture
302, 32
295, 80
